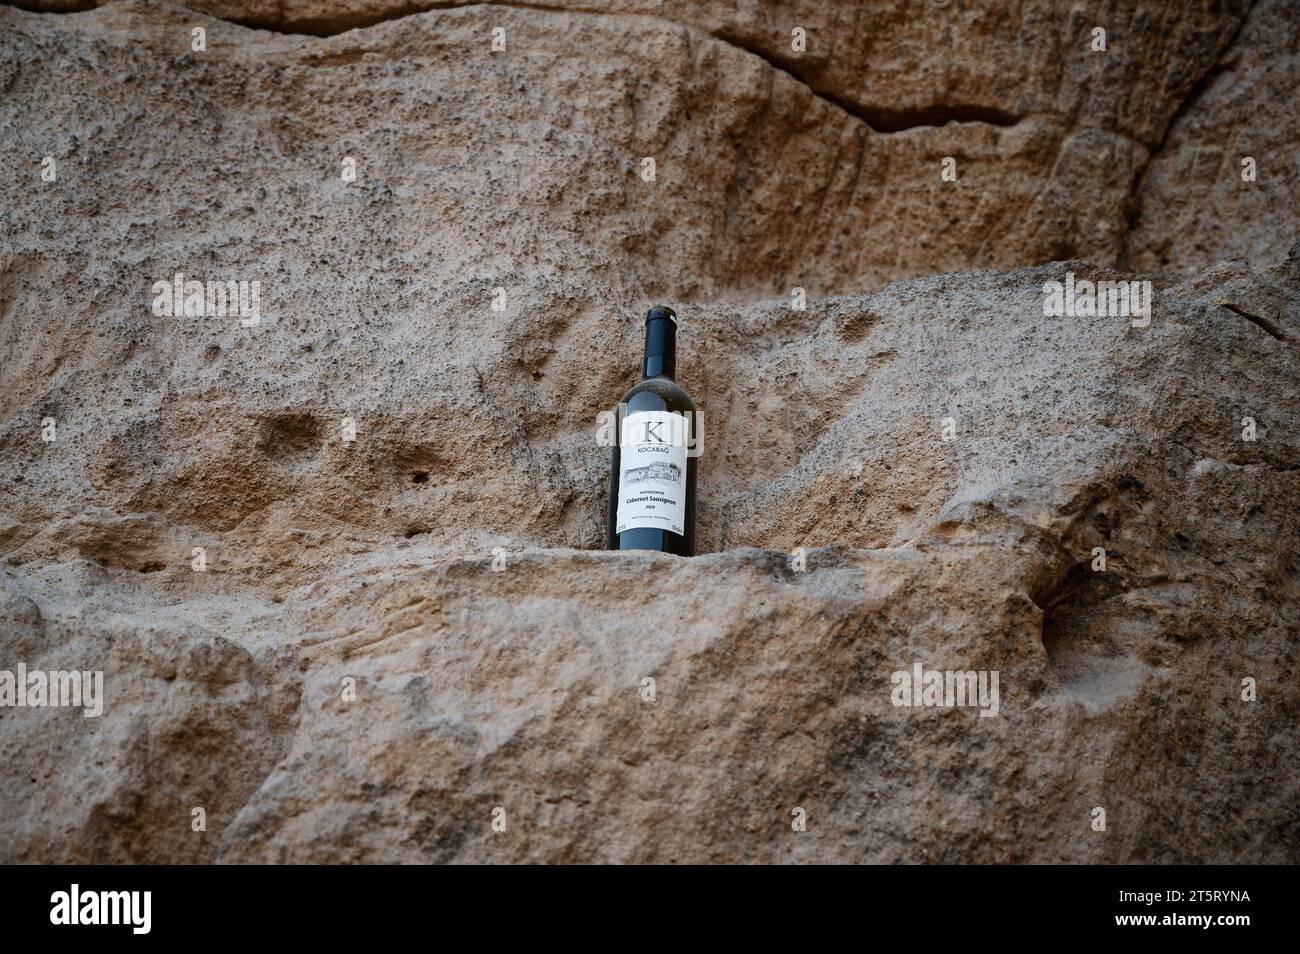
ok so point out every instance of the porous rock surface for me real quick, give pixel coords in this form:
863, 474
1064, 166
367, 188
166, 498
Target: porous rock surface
401, 638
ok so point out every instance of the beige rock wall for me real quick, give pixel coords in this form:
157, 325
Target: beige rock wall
445, 563
1225, 183
826, 162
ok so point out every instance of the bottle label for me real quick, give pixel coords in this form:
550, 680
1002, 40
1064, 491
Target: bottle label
652, 471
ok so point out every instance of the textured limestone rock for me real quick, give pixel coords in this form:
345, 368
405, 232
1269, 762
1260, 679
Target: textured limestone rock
396, 635
826, 163
1200, 200
895, 66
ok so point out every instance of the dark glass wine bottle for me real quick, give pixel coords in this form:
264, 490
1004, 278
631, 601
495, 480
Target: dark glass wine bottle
652, 476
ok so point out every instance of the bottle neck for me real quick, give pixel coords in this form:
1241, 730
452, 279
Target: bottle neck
660, 348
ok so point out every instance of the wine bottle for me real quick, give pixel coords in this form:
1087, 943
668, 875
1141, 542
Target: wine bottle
652, 475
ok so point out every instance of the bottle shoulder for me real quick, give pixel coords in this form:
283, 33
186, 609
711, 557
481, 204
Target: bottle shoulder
658, 394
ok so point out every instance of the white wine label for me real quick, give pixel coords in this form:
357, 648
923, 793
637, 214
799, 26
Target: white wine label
652, 471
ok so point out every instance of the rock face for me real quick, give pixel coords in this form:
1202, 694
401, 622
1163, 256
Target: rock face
399, 639
1195, 204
